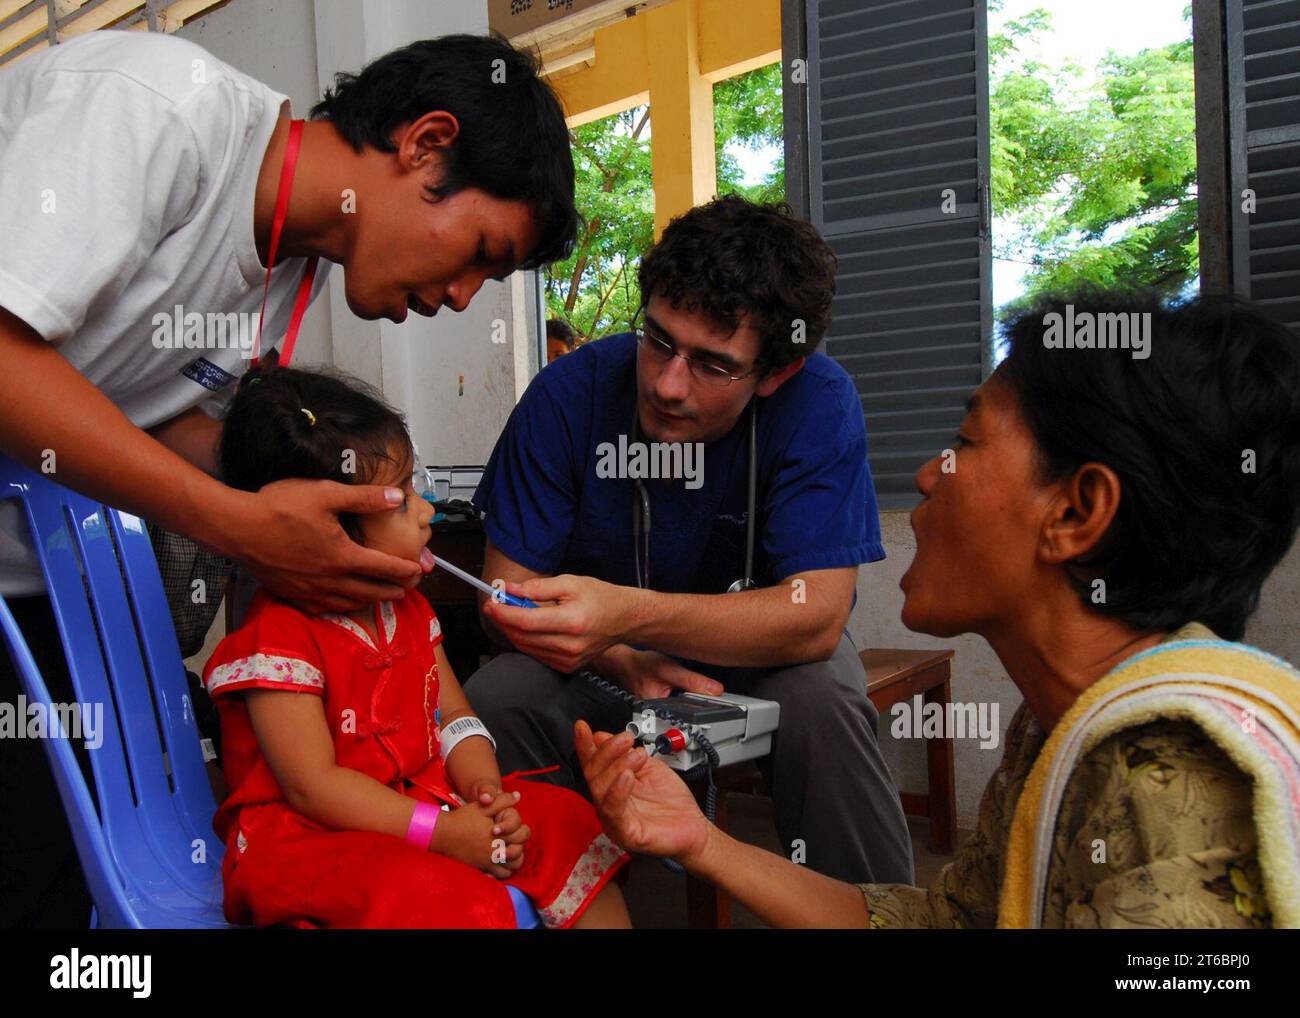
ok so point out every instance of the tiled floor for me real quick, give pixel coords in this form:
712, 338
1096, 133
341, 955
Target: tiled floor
657, 898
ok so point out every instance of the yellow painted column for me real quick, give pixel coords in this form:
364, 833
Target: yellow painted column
681, 112
618, 81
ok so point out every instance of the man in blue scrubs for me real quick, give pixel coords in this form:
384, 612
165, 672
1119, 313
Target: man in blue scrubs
738, 296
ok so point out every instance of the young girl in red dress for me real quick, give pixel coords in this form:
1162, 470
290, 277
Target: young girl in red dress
364, 791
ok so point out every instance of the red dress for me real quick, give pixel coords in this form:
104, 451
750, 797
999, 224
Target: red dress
381, 703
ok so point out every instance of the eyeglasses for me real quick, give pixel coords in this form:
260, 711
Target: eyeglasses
711, 374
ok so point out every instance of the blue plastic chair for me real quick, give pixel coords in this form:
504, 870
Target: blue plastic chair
149, 854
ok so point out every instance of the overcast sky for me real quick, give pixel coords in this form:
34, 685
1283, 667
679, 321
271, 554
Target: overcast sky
1083, 30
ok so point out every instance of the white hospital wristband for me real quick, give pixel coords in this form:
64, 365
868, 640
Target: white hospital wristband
461, 729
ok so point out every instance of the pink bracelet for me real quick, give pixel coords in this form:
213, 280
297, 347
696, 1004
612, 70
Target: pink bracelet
423, 821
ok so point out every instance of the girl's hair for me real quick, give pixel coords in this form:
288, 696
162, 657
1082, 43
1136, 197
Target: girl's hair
320, 425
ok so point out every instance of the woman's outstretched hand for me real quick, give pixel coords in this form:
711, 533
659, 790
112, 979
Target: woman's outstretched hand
642, 804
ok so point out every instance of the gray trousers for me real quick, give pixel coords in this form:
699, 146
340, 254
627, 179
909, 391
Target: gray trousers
830, 788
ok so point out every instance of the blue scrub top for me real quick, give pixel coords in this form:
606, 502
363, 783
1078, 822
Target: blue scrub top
548, 510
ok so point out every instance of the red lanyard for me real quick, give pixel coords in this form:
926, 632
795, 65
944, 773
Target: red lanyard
277, 224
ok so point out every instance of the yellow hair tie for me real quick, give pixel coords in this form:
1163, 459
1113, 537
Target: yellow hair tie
310, 416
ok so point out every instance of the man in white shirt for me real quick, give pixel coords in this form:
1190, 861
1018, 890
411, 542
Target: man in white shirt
138, 177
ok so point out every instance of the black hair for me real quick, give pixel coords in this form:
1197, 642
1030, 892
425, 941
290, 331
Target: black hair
513, 141
320, 425
1203, 433
557, 328
733, 258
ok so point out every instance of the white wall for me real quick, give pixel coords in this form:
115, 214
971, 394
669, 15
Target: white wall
977, 674
1274, 626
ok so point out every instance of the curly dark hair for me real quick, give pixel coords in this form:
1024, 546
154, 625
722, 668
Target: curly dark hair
734, 260
1204, 434
513, 141
266, 436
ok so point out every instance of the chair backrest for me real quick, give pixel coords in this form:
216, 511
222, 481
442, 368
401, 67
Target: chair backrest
145, 838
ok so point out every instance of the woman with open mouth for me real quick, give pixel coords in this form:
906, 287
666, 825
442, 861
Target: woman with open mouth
1106, 523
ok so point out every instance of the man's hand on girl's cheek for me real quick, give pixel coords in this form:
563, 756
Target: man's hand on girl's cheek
289, 537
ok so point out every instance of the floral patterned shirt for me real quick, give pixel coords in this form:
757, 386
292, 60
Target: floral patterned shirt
1155, 830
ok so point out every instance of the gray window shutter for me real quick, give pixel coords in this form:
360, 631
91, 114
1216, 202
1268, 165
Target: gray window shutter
1263, 38
897, 120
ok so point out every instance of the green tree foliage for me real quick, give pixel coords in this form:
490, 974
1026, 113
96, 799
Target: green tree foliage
595, 289
1096, 174
747, 114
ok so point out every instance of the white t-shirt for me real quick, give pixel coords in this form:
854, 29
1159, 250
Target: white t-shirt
128, 173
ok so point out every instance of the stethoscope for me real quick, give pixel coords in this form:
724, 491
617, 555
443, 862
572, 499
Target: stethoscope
641, 512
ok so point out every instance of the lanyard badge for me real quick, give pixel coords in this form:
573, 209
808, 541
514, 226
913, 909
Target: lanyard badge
292, 147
